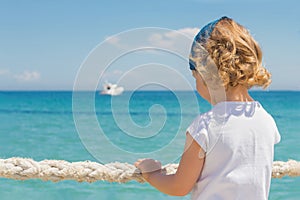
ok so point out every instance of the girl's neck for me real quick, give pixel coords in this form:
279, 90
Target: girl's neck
238, 93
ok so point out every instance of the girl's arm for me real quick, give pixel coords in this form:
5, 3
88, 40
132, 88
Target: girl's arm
188, 171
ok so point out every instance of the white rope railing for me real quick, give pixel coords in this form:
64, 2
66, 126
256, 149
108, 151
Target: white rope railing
58, 170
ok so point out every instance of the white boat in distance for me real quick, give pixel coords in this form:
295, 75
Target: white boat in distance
112, 89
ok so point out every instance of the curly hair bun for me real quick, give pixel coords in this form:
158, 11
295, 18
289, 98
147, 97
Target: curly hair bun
237, 55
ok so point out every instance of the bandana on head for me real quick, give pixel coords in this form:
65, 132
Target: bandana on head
206, 31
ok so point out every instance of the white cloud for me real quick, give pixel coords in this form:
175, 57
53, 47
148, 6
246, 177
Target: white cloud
28, 76
161, 38
157, 39
190, 32
4, 72
172, 39
113, 40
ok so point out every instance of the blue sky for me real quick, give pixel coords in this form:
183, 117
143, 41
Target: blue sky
44, 43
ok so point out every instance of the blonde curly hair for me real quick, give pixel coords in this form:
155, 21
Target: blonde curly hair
237, 56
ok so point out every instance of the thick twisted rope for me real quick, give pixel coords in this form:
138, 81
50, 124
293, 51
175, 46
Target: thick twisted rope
58, 170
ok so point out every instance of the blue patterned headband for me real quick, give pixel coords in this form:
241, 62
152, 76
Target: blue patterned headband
204, 34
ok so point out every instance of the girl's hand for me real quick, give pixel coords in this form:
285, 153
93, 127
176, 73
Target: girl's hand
148, 166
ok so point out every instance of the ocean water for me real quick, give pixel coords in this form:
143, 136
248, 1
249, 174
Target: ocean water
52, 125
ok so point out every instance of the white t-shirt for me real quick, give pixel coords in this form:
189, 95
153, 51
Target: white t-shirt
238, 138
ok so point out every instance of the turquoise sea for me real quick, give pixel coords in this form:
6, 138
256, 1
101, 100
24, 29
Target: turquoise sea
40, 125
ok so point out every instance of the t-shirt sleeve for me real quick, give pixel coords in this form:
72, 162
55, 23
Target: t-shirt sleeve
198, 131
277, 136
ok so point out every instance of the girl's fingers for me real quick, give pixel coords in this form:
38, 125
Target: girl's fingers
147, 165
138, 162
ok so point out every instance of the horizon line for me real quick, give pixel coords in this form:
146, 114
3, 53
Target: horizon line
61, 90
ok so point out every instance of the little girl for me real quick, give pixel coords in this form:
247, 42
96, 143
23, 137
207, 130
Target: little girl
229, 150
